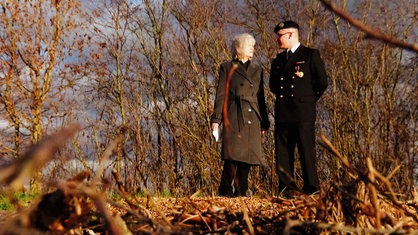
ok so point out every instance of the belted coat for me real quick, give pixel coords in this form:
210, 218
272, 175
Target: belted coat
246, 111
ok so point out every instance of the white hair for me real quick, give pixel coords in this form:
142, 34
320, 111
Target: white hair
238, 41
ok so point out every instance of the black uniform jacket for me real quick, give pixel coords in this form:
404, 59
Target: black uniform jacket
246, 112
297, 84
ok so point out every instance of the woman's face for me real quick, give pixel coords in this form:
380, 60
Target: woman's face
246, 50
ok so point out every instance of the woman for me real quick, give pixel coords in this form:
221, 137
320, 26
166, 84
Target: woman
244, 117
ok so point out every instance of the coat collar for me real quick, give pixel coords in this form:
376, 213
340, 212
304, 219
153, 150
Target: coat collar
246, 73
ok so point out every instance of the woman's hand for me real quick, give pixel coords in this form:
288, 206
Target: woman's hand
215, 131
215, 126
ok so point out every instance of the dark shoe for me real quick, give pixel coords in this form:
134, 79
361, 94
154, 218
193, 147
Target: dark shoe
226, 195
290, 194
310, 191
226, 191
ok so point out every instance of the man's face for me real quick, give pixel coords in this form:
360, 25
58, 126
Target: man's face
285, 38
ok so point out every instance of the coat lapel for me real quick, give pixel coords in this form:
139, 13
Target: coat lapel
251, 70
247, 74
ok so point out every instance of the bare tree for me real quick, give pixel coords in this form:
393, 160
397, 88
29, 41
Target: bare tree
378, 82
38, 39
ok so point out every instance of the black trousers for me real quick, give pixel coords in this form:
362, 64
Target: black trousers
236, 174
287, 137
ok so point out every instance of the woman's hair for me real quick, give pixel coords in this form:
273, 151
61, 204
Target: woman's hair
237, 43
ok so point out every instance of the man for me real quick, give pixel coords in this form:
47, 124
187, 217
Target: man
298, 79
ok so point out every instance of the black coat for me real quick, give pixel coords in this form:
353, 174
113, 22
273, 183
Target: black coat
297, 84
246, 111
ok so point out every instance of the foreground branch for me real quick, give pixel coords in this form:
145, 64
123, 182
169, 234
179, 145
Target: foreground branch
374, 33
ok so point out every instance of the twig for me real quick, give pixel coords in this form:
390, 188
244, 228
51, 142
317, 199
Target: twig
357, 230
290, 224
369, 178
330, 147
374, 33
115, 223
248, 221
106, 156
373, 194
225, 119
37, 155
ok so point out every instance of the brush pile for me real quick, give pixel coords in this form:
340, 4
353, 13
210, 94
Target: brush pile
364, 205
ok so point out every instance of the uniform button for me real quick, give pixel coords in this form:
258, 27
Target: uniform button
293, 77
249, 122
250, 110
281, 96
281, 79
292, 86
281, 87
291, 95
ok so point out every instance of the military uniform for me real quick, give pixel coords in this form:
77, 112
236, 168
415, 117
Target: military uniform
297, 82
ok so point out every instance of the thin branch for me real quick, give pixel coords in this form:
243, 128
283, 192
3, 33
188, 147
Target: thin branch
373, 33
